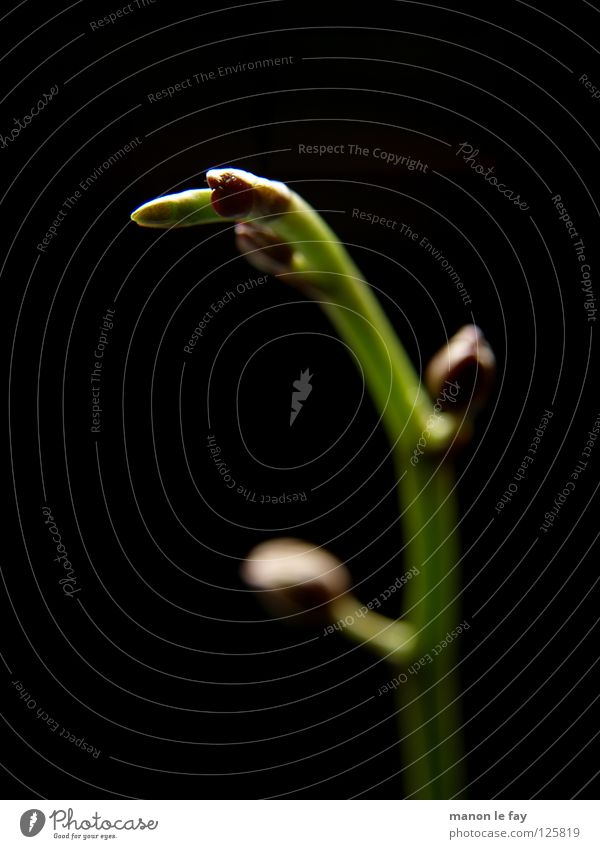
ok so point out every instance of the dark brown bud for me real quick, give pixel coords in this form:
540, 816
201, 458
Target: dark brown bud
462, 373
295, 577
239, 194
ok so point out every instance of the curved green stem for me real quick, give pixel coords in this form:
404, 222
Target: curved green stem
428, 701
325, 266
357, 315
427, 710
429, 516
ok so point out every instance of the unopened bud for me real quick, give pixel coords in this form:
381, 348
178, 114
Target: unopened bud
263, 249
233, 195
239, 194
462, 373
294, 577
183, 209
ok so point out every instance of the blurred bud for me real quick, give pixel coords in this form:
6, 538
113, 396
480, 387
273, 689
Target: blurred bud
263, 249
295, 577
462, 373
239, 194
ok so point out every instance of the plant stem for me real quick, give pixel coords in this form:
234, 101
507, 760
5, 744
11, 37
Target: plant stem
323, 264
392, 639
357, 315
447, 692
427, 711
428, 702
429, 515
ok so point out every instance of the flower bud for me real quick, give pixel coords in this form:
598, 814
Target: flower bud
462, 373
263, 249
182, 209
294, 577
239, 194
233, 195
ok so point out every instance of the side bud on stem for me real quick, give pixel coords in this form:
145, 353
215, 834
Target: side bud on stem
263, 249
466, 362
294, 577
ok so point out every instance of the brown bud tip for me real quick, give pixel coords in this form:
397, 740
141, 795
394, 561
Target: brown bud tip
294, 577
232, 195
239, 194
462, 373
263, 249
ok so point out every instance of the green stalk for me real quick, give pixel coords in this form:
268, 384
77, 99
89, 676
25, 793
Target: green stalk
427, 707
325, 266
452, 778
429, 517
427, 710
359, 319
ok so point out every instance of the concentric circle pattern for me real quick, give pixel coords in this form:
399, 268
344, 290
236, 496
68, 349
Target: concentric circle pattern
170, 407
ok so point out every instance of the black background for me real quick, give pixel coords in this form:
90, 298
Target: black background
164, 660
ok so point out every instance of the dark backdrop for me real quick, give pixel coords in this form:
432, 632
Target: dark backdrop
162, 659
